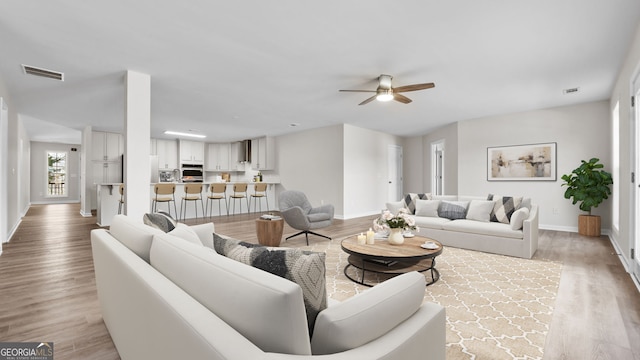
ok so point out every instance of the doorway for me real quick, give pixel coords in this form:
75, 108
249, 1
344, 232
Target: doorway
394, 155
437, 167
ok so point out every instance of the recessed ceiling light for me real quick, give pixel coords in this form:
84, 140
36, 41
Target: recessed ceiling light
178, 133
571, 90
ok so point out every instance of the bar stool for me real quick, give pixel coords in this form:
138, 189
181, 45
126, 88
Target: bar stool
192, 192
259, 192
217, 192
164, 193
239, 193
121, 201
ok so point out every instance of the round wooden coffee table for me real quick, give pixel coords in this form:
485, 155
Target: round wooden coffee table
384, 258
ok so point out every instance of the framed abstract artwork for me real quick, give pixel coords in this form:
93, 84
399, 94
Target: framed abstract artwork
532, 162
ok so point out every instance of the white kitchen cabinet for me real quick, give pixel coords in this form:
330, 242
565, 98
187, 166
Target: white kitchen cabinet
191, 152
218, 157
106, 146
154, 147
167, 151
262, 153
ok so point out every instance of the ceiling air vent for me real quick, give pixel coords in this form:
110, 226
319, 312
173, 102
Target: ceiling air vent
32, 70
570, 91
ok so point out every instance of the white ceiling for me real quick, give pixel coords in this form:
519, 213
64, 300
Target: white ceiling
240, 69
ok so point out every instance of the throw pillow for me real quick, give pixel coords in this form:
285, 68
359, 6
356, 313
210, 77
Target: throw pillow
395, 206
480, 210
504, 207
160, 220
305, 268
410, 198
185, 232
453, 210
428, 208
518, 218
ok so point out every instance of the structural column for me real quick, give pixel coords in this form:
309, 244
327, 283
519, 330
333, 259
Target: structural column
137, 142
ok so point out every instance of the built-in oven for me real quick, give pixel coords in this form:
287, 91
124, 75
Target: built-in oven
192, 173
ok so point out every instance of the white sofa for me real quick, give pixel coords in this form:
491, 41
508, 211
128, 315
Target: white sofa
518, 237
169, 297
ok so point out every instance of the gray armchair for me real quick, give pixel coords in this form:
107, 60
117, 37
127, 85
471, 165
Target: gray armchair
300, 215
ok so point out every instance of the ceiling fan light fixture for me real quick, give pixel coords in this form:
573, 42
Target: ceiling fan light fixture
384, 95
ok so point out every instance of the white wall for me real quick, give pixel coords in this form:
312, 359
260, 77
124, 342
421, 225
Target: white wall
413, 165
449, 135
38, 173
581, 132
622, 94
366, 173
312, 162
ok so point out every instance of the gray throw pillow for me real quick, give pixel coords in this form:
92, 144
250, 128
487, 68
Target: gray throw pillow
160, 220
305, 268
453, 210
504, 207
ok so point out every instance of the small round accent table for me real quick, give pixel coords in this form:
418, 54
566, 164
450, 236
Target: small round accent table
269, 232
384, 258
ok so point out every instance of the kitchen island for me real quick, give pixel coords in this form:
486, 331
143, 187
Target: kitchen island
109, 196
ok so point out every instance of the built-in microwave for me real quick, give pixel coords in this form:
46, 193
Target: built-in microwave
192, 173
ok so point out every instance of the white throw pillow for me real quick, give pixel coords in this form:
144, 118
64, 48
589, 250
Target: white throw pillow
394, 207
185, 232
428, 208
480, 210
518, 218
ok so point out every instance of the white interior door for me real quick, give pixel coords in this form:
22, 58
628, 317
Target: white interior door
395, 172
437, 167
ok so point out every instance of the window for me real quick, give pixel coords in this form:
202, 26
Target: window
56, 173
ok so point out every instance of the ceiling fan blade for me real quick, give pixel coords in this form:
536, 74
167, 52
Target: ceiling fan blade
401, 98
414, 87
369, 100
357, 90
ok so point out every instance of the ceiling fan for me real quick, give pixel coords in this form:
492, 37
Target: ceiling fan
385, 92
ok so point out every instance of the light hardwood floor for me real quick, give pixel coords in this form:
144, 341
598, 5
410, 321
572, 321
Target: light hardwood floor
47, 287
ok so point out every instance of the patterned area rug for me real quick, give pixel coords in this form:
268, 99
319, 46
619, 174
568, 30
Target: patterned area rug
498, 307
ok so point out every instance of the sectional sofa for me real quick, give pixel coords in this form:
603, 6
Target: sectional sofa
505, 225
171, 296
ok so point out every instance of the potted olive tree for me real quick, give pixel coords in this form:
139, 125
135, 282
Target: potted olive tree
590, 186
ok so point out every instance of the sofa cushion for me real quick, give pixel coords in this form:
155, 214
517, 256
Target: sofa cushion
160, 220
518, 218
305, 268
183, 231
266, 309
504, 207
368, 315
410, 201
480, 210
133, 234
427, 208
484, 228
453, 209
445, 197
430, 222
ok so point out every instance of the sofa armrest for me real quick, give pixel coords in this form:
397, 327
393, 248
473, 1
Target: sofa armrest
368, 315
530, 230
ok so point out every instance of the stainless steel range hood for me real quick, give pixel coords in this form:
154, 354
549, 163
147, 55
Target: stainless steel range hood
244, 152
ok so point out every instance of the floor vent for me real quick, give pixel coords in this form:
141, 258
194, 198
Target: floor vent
32, 70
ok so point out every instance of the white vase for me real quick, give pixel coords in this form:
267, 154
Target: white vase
395, 237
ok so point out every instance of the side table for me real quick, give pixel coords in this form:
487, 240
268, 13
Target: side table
269, 231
